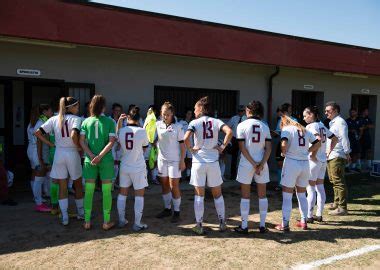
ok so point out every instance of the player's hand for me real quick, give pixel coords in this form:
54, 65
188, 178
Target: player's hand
194, 150
51, 144
283, 155
313, 158
122, 117
42, 165
96, 160
182, 165
220, 148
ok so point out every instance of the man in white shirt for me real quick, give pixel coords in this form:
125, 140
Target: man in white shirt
337, 159
234, 151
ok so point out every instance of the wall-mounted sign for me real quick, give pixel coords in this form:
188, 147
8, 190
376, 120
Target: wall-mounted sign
308, 87
365, 91
28, 72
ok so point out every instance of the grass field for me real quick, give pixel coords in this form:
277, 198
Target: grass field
36, 241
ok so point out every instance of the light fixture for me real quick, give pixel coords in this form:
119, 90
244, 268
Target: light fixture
37, 42
352, 75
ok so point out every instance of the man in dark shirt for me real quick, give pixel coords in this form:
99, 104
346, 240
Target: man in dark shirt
366, 140
355, 133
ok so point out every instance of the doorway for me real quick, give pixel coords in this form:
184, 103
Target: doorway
303, 99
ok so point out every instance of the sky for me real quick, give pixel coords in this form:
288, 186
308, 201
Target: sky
355, 22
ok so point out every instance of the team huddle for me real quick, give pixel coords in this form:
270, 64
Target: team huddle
65, 139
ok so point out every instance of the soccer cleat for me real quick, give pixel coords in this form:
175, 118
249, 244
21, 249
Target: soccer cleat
281, 228
165, 213
198, 229
302, 225
140, 227
176, 217
42, 208
318, 219
122, 223
108, 226
222, 225
64, 221
80, 216
263, 229
310, 220
240, 230
54, 211
338, 212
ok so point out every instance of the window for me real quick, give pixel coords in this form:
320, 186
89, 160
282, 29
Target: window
82, 92
223, 102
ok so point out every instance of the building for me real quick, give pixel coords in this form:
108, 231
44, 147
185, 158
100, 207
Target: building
50, 48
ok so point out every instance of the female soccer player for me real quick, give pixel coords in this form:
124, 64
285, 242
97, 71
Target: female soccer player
295, 140
171, 160
66, 126
255, 145
317, 163
38, 154
134, 141
97, 137
185, 124
205, 166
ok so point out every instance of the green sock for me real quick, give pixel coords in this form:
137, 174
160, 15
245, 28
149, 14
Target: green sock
54, 193
107, 201
88, 196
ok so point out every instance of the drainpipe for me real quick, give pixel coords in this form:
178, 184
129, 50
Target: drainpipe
270, 95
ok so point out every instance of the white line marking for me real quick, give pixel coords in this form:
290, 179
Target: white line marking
354, 253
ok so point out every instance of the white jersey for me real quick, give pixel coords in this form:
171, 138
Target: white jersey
32, 139
254, 133
298, 142
132, 139
318, 128
206, 133
169, 138
62, 134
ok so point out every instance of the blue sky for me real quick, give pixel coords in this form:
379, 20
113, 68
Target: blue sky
355, 22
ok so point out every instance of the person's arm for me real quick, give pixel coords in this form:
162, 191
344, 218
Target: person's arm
187, 141
229, 133
245, 153
180, 138
345, 142
39, 153
334, 141
42, 138
120, 122
284, 146
84, 145
105, 150
315, 145
74, 135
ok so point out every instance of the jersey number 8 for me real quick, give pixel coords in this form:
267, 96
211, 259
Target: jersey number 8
301, 138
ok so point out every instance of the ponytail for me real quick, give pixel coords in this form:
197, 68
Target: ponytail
287, 121
34, 115
64, 104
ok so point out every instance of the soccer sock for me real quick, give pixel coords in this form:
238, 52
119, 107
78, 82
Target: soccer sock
37, 189
46, 185
167, 200
302, 204
54, 193
244, 212
311, 197
321, 199
139, 207
177, 204
64, 204
121, 202
88, 196
263, 208
199, 208
107, 201
79, 204
286, 208
219, 206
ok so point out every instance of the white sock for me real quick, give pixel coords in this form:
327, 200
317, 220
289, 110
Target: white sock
167, 200
80, 209
176, 204
244, 212
70, 184
199, 208
63, 205
219, 206
286, 208
321, 199
37, 189
139, 207
188, 172
263, 208
121, 202
311, 198
302, 205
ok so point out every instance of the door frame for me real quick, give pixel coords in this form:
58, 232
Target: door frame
7, 131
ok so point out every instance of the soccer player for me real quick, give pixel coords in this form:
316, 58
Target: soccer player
185, 124
117, 110
66, 126
134, 141
97, 137
255, 145
37, 154
205, 167
171, 160
317, 162
295, 148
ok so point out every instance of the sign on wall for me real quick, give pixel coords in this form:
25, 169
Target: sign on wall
28, 72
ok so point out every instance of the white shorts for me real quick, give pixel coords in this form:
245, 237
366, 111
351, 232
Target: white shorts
137, 179
246, 173
67, 163
168, 169
317, 170
200, 172
295, 173
33, 158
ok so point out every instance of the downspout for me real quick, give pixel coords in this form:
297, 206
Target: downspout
270, 95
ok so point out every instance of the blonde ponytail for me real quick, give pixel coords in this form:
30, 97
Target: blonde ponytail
287, 121
62, 111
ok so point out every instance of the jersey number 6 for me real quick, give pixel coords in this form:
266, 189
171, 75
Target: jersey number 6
128, 141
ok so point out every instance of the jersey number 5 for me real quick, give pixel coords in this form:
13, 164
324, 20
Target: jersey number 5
128, 141
301, 138
207, 130
256, 133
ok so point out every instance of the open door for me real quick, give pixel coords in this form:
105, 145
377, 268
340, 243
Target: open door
82, 92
